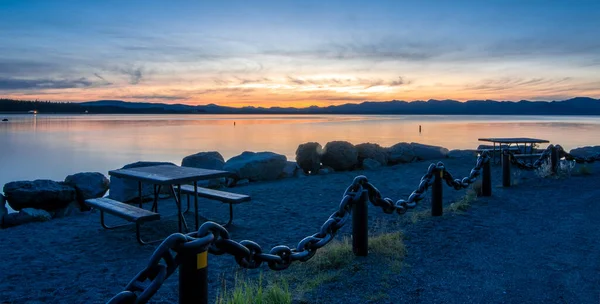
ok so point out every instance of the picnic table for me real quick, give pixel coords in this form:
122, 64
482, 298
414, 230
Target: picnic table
520, 143
170, 176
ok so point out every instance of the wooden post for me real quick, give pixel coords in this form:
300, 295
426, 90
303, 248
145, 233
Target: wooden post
486, 179
193, 277
360, 225
437, 208
505, 168
554, 160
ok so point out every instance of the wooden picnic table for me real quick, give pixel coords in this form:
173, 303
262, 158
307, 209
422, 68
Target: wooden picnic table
171, 176
517, 141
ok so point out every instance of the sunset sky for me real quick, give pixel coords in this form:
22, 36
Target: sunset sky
298, 53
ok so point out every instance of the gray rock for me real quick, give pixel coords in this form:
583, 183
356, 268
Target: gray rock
206, 160
70, 209
372, 151
256, 166
427, 152
3, 209
588, 151
400, 153
36, 215
88, 185
340, 155
290, 169
126, 190
308, 157
27, 215
39, 194
371, 164
462, 154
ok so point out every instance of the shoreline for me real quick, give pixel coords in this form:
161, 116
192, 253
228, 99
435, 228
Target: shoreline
107, 259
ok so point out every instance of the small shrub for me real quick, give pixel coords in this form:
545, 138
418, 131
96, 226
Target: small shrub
565, 168
544, 170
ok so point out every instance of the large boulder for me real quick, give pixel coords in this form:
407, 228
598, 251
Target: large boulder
308, 157
206, 160
88, 185
340, 155
3, 209
256, 166
588, 151
290, 169
400, 153
372, 151
126, 190
427, 152
39, 194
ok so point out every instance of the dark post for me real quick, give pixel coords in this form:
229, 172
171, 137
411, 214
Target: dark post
193, 277
437, 208
505, 168
486, 180
554, 159
360, 225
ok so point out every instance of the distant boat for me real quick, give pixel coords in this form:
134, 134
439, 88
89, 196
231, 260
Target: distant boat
32, 112
5, 119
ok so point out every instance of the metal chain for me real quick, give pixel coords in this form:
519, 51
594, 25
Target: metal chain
536, 164
401, 206
577, 159
463, 183
248, 254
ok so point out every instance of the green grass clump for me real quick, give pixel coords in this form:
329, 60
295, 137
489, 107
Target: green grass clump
464, 203
335, 255
253, 292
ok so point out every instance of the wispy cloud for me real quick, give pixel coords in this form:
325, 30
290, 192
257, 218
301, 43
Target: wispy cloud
135, 74
154, 97
39, 84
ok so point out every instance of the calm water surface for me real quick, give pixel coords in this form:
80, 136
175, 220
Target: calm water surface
54, 146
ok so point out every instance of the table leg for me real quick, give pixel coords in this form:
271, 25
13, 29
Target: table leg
195, 203
177, 198
155, 203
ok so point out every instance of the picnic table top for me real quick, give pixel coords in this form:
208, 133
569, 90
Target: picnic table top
515, 140
168, 174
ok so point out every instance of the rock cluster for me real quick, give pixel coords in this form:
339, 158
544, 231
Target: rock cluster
41, 200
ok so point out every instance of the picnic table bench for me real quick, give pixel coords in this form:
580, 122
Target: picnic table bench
124, 211
222, 196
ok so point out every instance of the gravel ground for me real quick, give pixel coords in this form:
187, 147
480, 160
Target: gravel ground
535, 242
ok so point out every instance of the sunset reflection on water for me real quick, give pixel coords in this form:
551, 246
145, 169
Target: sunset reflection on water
53, 146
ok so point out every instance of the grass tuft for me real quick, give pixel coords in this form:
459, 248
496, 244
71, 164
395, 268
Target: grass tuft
334, 255
464, 203
254, 292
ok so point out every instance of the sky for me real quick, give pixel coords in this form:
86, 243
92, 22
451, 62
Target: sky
298, 53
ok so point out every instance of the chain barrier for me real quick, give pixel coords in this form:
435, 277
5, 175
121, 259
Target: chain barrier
248, 254
401, 206
577, 159
465, 182
536, 164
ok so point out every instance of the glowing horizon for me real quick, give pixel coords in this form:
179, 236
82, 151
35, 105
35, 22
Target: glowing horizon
298, 55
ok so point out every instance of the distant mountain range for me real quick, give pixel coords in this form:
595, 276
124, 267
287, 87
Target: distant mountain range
574, 106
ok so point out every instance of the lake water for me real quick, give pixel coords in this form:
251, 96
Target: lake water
54, 146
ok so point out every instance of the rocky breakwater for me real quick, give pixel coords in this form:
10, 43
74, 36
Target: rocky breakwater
42, 200
256, 166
